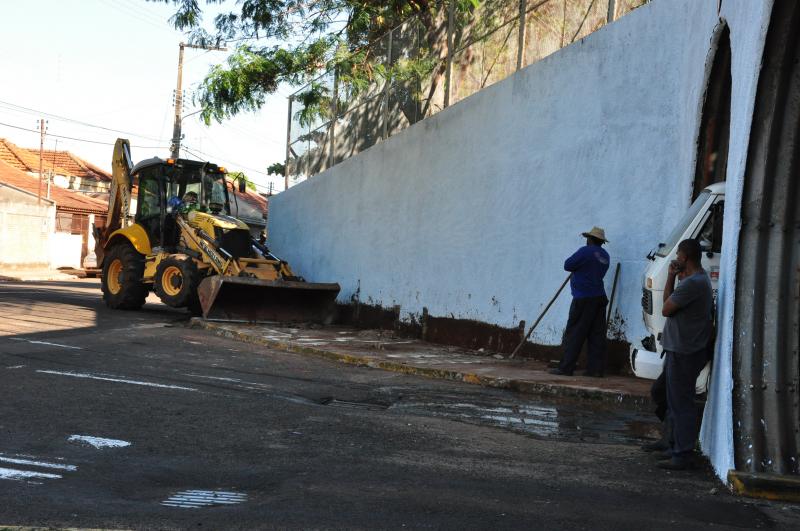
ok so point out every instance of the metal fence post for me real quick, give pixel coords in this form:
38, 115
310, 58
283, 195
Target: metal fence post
288, 146
387, 88
451, 12
523, 8
612, 11
334, 113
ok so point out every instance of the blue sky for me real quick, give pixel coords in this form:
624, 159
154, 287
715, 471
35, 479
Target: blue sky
113, 63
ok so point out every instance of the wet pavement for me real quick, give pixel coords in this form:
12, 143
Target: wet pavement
133, 420
385, 350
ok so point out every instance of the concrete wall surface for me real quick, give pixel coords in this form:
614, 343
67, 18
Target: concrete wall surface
472, 212
65, 250
25, 229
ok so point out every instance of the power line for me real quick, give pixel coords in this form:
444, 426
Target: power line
200, 154
28, 110
76, 139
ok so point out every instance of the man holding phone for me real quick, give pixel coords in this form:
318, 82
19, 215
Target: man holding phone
689, 311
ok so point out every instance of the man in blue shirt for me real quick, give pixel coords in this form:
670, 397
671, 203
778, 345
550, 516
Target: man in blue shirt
587, 314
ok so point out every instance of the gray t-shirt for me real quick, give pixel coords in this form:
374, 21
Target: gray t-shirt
689, 329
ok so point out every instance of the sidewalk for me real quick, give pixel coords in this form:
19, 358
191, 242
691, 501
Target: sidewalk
382, 349
33, 275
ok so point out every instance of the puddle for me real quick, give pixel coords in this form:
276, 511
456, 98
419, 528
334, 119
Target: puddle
194, 499
330, 401
559, 422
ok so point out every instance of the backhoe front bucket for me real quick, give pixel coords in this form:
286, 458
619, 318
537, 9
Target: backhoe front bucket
246, 299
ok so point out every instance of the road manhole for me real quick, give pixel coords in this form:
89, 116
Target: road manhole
194, 499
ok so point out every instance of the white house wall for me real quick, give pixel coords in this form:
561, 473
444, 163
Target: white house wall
26, 227
472, 212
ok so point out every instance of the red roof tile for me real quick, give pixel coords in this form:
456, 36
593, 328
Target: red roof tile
60, 162
68, 200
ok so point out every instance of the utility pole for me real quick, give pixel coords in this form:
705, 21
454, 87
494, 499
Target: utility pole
41, 152
175, 148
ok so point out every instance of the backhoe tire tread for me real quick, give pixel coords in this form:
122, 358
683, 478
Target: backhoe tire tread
184, 295
132, 291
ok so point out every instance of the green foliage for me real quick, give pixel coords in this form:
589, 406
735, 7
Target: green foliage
237, 176
278, 168
314, 35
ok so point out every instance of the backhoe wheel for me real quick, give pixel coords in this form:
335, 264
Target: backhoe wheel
176, 282
123, 268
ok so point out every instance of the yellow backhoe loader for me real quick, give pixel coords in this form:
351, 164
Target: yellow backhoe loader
184, 244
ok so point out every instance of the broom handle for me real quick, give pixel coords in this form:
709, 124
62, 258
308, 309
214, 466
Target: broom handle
549, 304
613, 292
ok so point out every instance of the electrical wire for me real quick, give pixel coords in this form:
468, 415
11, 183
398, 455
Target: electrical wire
75, 139
28, 110
200, 155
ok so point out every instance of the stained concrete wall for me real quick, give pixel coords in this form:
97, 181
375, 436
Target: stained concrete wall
25, 229
471, 213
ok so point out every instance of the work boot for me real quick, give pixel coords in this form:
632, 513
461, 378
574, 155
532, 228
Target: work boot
664, 455
657, 446
559, 372
679, 463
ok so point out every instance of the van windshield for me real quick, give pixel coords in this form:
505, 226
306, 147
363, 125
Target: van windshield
680, 228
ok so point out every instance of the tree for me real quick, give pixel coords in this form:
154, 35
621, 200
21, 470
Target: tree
314, 35
239, 176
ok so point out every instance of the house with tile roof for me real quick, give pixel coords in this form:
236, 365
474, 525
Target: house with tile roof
251, 208
74, 215
64, 169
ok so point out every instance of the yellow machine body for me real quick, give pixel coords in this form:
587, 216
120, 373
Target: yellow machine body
192, 252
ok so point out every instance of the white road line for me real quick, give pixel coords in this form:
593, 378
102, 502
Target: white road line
44, 343
117, 380
10, 473
16, 367
98, 442
40, 464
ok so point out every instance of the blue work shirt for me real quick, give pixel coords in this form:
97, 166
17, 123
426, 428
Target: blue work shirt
588, 266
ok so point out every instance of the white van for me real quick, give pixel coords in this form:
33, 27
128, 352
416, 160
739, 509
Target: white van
702, 221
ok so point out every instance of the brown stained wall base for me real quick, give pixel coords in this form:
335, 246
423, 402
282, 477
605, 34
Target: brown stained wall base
469, 334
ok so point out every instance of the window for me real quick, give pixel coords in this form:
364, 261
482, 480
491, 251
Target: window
149, 204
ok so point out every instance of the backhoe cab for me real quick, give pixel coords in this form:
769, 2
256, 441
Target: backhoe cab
185, 246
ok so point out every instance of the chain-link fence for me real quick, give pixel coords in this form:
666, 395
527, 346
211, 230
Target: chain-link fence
426, 64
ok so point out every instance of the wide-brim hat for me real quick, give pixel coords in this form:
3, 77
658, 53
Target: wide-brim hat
596, 232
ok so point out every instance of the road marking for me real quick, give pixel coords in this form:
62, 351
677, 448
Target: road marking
13, 474
117, 380
16, 367
194, 499
44, 343
98, 442
39, 464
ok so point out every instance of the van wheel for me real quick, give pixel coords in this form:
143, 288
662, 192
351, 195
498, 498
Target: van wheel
123, 268
176, 282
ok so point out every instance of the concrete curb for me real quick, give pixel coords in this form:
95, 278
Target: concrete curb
627, 400
765, 486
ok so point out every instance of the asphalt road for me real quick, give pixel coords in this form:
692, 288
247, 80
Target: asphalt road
133, 420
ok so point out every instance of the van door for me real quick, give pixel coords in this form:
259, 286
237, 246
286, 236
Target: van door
710, 238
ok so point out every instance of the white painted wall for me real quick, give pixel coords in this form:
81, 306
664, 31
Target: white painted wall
65, 250
25, 229
471, 213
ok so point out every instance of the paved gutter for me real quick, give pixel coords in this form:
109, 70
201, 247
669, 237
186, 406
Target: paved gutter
382, 350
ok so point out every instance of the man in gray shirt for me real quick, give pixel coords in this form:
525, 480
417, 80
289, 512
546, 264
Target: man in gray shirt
689, 311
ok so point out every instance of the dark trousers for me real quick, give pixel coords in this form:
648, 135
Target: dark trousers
682, 371
658, 393
587, 322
